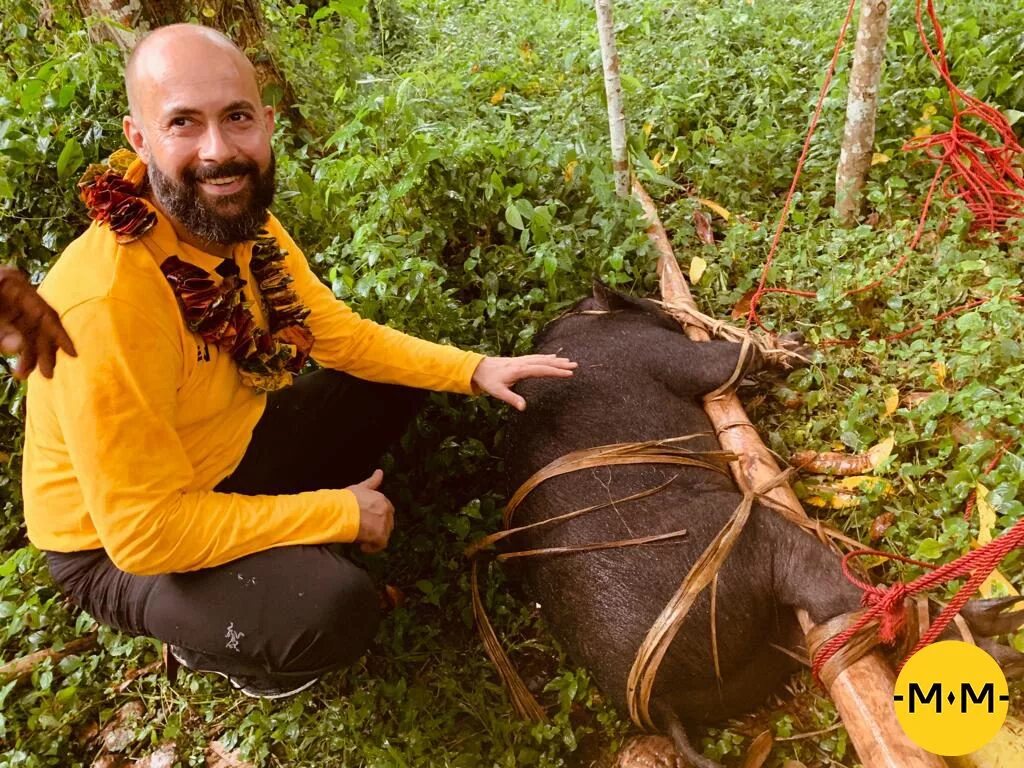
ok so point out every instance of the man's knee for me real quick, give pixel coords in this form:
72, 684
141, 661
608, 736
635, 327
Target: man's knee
333, 622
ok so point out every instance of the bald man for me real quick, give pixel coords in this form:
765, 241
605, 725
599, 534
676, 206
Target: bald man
182, 485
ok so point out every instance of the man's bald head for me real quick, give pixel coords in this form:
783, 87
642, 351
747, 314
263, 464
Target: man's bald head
167, 47
197, 121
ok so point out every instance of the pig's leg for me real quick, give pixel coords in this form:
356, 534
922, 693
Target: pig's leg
1009, 659
988, 619
691, 369
672, 725
991, 617
806, 574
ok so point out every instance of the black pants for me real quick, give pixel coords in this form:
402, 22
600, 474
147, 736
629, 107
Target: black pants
286, 614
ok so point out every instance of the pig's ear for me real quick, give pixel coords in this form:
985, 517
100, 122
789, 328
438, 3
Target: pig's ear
601, 295
611, 300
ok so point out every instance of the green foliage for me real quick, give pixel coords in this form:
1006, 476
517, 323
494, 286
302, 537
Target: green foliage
451, 179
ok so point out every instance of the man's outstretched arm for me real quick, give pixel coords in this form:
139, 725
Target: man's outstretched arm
345, 341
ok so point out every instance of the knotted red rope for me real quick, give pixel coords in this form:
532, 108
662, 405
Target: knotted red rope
980, 175
885, 604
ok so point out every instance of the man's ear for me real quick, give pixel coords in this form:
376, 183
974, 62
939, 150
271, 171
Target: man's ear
133, 132
268, 116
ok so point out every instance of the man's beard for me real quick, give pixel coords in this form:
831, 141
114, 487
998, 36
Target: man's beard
198, 213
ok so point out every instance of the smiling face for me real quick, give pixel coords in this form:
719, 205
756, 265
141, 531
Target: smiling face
197, 121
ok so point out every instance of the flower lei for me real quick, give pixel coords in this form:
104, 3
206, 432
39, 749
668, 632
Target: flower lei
215, 310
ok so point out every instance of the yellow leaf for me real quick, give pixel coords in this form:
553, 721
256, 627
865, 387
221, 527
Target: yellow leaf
879, 157
865, 483
832, 500
846, 493
986, 514
697, 267
498, 96
713, 205
939, 369
648, 127
570, 170
929, 111
997, 585
656, 162
871, 561
879, 453
922, 130
892, 400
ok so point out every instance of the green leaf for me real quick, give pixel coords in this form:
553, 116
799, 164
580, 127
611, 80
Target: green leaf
71, 157
929, 549
513, 216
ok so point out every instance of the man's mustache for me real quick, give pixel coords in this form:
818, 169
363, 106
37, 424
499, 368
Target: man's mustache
232, 168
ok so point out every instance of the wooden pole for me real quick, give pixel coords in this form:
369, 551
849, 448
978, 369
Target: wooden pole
861, 107
863, 691
613, 92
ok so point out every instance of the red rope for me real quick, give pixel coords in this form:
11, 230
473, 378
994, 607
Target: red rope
830, 73
969, 305
885, 604
984, 179
982, 176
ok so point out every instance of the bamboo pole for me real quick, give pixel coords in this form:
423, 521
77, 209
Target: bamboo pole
861, 107
863, 691
613, 92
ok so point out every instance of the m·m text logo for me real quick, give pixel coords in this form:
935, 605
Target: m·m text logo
937, 697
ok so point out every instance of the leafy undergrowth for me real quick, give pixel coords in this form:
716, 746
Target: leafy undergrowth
453, 181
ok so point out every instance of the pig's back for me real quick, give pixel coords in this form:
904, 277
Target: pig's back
601, 604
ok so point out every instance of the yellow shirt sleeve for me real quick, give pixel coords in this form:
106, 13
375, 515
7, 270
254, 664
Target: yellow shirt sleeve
347, 342
115, 403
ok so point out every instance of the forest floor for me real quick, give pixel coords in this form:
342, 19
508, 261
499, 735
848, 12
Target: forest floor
453, 178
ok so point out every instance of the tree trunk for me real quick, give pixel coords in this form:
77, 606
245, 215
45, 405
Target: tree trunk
861, 106
126, 21
613, 91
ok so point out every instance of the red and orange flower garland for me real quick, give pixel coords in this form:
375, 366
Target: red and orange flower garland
214, 309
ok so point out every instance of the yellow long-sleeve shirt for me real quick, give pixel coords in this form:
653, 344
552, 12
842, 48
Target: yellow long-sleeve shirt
125, 443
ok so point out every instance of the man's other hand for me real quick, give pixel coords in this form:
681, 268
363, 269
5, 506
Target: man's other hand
495, 375
376, 514
28, 326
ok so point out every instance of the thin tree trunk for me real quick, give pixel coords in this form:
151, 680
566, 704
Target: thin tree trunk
613, 91
119, 21
861, 107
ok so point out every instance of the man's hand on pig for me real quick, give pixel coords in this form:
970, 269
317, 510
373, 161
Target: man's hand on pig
496, 375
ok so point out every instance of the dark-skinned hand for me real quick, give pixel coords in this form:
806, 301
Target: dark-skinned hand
29, 327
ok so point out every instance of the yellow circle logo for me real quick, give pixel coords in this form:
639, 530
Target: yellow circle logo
951, 698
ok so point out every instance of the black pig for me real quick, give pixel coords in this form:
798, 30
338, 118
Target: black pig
640, 378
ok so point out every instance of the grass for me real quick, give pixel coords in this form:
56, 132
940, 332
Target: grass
456, 184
